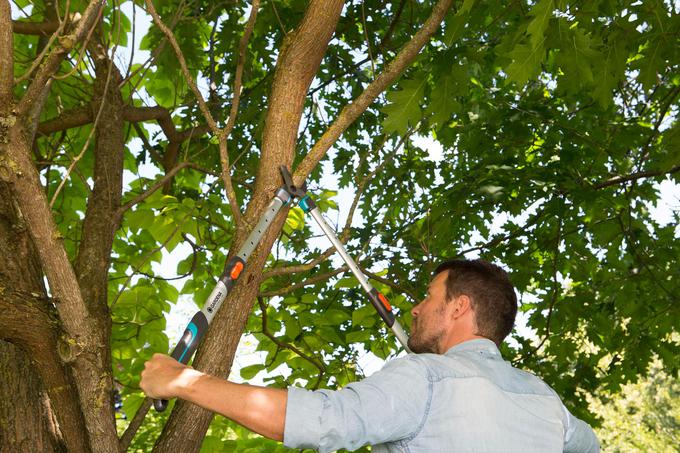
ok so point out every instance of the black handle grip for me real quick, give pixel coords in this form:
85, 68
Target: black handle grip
160, 405
382, 306
186, 347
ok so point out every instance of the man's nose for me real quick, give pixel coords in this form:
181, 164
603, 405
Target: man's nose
415, 310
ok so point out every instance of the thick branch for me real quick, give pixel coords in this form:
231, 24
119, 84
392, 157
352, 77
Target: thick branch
7, 62
352, 111
297, 65
71, 118
84, 115
99, 226
34, 28
161, 114
84, 347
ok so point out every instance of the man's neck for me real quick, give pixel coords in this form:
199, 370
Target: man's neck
458, 339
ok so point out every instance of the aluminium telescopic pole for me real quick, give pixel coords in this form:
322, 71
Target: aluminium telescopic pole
199, 323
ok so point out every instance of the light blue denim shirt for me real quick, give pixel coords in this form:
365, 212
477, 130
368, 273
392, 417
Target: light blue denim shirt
467, 400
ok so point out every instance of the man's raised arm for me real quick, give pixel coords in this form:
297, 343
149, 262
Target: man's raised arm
259, 409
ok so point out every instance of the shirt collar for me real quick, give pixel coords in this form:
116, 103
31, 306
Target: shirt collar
481, 345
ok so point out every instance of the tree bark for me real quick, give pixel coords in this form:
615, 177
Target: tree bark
100, 225
27, 426
31, 326
298, 62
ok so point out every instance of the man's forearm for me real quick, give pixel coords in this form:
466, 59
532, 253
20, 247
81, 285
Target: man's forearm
259, 409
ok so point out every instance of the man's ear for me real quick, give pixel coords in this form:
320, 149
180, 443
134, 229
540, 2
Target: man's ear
461, 305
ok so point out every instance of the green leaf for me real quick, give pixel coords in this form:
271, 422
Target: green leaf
612, 71
652, 63
526, 62
455, 25
364, 316
347, 282
404, 107
336, 317
140, 219
443, 103
577, 58
359, 336
292, 327
250, 371
541, 12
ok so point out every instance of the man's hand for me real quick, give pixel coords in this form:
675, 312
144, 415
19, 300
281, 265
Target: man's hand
164, 377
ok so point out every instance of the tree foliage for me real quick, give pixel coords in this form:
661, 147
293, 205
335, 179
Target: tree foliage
556, 121
644, 416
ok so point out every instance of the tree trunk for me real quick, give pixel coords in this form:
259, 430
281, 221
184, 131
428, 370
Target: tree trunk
297, 65
27, 318
26, 421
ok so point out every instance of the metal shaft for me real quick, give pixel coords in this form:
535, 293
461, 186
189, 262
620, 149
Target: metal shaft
330, 234
398, 330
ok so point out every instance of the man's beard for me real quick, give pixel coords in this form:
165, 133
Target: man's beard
420, 344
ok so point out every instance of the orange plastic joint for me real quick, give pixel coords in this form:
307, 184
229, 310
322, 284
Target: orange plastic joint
236, 270
384, 301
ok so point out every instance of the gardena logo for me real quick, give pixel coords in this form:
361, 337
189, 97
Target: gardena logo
214, 302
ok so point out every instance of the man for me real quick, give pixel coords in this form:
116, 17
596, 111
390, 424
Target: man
455, 394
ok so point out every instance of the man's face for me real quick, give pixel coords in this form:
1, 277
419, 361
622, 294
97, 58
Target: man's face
429, 326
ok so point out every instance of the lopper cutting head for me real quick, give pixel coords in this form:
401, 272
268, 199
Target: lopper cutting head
294, 191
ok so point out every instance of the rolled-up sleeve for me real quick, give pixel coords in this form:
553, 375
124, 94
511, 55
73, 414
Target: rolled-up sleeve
388, 406
579, 436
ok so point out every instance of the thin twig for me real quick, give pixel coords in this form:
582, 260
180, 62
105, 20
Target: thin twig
81, 54
231, 121
39, 59
391, 284
160, 183
281, 344
183, 65
57, 55
556, 287
310, 281
219, 133
278, 18
368, 41
635, 176
344, 235
135, 424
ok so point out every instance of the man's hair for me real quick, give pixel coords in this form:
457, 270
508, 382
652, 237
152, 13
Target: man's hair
490, 291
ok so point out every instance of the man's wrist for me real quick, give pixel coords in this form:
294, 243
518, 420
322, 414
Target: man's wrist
185, 384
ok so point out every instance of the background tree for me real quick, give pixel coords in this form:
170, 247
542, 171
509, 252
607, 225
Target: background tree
555, 121
645, 416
